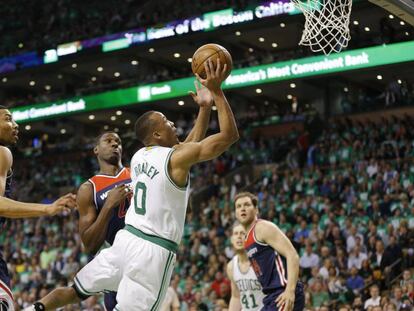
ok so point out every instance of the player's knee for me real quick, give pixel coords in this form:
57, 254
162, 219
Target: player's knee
79, 294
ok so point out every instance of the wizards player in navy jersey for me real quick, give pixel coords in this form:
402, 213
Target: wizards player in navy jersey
104, 199
272, 256
9, 131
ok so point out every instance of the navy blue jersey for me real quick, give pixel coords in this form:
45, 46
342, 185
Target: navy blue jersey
271, 271
102, 184
270, 268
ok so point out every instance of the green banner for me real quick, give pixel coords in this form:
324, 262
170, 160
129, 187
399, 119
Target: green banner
305, 67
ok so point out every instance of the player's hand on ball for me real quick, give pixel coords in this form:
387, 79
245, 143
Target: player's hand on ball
118, 194
63, 204
202, 96
286, 300
214, 76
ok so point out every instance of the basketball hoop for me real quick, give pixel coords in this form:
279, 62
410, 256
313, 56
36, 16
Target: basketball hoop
326, 25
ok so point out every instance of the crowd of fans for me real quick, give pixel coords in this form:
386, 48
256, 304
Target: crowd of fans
345, 200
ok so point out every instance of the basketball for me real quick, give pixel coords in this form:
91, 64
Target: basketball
210, 51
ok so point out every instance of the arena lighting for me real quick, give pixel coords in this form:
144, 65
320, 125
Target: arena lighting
274, 44
20, 45
74, 65
292, 85
402, 23
4, 80
62, 131
117, 74
399, 81
283, 25
379, 77
113, 118
356, 23
106, 127
345, 89
47, 87
127, 121
100, 69
259, 91
116, 130
134, 62
91, 117
59, 76
251, 50
180, 103
189, 59
390, 16
151, 50
351, 60
261, 39
208, 21
32, 83
214, 108
367, 29
407, 33
177, 55
93, 78
119, 113
238, 33
289, 96
27, 127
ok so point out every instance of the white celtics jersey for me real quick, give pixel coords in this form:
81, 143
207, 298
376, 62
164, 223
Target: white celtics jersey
251, 295
158, 206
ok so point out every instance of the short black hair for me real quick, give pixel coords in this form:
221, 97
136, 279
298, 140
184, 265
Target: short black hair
98, 138
144, 125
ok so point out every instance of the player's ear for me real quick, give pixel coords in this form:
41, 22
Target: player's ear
95, 150
156, 135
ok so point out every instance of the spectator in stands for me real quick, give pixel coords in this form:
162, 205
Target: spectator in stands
356, 258
308, 260
375, 298
318, 295
397, 297
355, 282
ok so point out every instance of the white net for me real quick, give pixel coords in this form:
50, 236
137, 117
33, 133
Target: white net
326, 25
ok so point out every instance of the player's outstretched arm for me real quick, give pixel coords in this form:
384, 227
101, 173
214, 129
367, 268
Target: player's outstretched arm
204, 100
234, 304
187, 154
93, 227
270, 234
14, 209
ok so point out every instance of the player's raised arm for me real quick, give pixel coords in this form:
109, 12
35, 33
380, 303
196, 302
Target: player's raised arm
234, 304
270, 234
204, 100
187, 154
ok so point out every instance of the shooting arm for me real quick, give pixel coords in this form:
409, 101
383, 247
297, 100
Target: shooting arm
199, 130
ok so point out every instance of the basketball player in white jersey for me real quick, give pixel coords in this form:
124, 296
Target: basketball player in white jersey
246, 291
139, 263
